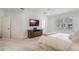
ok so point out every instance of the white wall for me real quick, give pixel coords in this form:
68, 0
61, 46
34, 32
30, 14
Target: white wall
17, 26
0, 26
41, 17
20, 22
1, 15
51, 23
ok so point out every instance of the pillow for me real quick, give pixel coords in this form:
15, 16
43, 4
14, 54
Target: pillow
54, 42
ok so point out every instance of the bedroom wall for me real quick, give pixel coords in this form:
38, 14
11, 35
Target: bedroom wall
42, 20
0, 26
1, 15
51, 23
41, 17
20, 22
17, 25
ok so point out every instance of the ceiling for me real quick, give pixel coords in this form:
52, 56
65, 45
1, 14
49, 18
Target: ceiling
46, 11
52, 11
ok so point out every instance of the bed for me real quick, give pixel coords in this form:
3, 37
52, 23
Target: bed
59, 41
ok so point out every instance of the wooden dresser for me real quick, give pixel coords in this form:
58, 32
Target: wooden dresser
34, 33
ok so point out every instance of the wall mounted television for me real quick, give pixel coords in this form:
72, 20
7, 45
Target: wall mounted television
34, 22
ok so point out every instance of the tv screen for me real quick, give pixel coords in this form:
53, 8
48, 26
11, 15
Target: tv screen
34, 22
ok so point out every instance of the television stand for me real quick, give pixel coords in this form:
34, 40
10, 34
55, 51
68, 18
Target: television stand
34, 33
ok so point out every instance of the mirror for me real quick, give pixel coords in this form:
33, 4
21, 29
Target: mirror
65, 23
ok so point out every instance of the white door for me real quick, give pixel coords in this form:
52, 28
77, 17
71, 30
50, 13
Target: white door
6, 27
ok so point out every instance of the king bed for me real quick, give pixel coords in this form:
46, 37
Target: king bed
60, 41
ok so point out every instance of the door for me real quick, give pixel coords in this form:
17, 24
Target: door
6, 27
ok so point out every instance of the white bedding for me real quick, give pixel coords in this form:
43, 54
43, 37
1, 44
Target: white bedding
62, 36
59, 41
55, 42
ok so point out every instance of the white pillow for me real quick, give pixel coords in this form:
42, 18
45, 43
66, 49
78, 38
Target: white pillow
54, 42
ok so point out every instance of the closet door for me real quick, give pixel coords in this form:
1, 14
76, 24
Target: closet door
6, 27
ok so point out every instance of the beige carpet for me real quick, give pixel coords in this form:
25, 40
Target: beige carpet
22, 45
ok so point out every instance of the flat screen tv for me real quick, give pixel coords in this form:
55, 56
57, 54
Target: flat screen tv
34, 22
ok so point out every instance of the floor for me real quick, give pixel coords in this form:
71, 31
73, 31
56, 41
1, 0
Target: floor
18, 45
23, 45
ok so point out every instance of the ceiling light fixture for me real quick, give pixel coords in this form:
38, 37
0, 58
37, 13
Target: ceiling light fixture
22, 8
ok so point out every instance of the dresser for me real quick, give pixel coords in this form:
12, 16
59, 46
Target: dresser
34, 33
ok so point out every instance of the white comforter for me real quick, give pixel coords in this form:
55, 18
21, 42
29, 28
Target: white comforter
59, 41
62, 36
